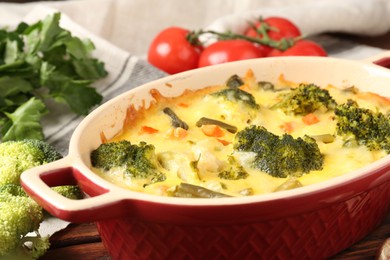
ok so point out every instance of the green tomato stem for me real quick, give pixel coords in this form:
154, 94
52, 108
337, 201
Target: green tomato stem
262, 30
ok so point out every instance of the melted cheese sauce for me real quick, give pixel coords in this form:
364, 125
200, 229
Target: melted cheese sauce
177, 149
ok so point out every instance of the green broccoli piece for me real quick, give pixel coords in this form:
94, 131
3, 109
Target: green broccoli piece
363, 126
20, 215
136, 161
233, 94
110, 155
36, 245
279, 156
69, 191
305, 99
234, 171
13, 189
237, 95
18, 156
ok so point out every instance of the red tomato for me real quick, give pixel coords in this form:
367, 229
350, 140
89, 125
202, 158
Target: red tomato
171, 52
301, 48
281, 28
229, 50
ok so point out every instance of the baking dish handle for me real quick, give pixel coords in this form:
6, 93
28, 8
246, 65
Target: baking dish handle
37, 183
381, 59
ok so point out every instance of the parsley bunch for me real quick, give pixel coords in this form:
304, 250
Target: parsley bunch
39, 62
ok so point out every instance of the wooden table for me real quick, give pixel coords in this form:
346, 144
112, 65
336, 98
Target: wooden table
82, 241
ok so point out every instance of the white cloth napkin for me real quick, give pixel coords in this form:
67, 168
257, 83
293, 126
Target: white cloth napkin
360, 17
122, 30
314, 17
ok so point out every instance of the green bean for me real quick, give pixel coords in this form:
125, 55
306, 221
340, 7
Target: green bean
208, 121
186, 190
234, 82
176, 121
266, 85
291, 183
325, 138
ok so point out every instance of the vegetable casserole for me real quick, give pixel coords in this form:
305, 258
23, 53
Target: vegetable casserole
245, 137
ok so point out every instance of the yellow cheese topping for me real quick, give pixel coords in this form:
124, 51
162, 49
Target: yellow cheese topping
210, 146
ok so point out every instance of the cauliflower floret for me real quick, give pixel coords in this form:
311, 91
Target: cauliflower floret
207, 160
179, 163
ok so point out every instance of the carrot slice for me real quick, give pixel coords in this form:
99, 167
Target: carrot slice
147, 130
287, 127
224, 142
245, 87
212, 130
177, 133
181, 104
180, 133
310, 119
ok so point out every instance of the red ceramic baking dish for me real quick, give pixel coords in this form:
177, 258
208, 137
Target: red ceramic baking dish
311, 222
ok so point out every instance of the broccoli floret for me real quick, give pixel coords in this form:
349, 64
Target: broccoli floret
234, 171
18, 156
136, 161
305, 99
363, 125
279, 156
13, 189
233, 94
20, 215
110, 155
69, 191
36, 245
237, 95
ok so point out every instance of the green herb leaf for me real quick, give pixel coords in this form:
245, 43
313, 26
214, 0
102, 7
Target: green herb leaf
24, 122
42, 61
12, 86
78, 96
